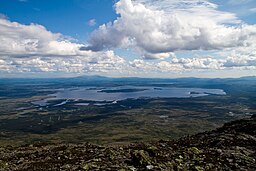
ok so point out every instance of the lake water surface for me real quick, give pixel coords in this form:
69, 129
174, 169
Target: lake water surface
126, 92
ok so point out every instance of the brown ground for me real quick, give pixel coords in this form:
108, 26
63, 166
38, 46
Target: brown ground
231, 147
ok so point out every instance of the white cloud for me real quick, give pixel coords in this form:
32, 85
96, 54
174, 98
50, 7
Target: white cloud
253, 10
149, 28
92, 22
94, 62
30, 40
198, 63
193, 64
32, 48
2, 16
240, 61
156, 28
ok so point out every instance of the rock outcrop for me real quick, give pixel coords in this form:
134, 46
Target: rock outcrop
231, 147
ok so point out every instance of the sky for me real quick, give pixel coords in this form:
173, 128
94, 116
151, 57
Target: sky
128, 38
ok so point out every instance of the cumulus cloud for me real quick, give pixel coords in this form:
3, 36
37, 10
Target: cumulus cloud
31, 40
157, 28
240, 61
192, 64
32, 48
95, 62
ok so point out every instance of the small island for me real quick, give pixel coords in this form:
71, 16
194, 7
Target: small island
122, 90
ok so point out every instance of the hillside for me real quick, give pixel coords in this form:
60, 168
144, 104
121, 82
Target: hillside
231, 147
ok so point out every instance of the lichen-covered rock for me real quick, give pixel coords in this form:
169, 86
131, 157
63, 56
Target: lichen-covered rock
231, 147
141, 158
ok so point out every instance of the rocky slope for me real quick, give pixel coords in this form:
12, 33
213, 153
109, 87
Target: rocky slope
231, 147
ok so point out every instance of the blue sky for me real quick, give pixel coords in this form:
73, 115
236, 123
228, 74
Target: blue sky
128, 38
68, 17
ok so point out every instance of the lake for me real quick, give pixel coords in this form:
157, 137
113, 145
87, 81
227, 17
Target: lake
125, 92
